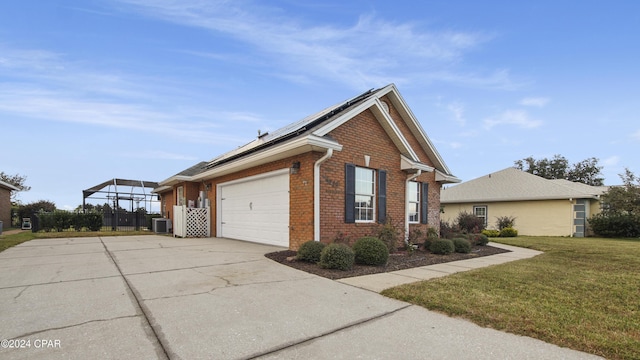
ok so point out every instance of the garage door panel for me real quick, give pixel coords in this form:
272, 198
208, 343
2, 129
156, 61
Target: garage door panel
256, 210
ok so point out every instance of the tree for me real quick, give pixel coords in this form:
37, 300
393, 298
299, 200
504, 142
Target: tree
624, 199
16, 180
587, 171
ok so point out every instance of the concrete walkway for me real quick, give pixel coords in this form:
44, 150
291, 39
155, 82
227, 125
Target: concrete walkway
379, 282
156, 297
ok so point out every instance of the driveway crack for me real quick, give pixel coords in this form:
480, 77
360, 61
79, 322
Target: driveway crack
74, 325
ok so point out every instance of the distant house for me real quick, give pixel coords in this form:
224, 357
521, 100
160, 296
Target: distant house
541, 207
5, 203
343, 170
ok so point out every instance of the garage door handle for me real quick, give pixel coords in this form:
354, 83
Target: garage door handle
223, 223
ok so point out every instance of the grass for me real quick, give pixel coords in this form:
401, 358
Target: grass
582, 293
7, 241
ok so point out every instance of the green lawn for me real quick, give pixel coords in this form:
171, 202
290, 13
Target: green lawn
7, 241
582, 293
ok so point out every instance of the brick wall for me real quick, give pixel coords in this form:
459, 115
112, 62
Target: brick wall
5, 208
363, 135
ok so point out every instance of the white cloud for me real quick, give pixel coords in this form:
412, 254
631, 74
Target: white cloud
611, 161
360, 55
636, 135
534, 101
512, 117
457, 109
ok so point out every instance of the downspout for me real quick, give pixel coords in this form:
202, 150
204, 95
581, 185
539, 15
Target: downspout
406, 204
316, 193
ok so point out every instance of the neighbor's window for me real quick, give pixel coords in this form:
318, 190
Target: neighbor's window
414, 202
365, 194
481, 212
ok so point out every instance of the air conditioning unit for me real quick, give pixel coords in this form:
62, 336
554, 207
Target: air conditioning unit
161, 226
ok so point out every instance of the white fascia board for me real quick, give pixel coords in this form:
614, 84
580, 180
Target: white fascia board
174, 180
408, 164
447, 179
379, 113
524, 198
403, 105
292, 148
8, 186
161, 189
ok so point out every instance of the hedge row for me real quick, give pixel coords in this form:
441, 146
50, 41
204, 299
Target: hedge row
63, 220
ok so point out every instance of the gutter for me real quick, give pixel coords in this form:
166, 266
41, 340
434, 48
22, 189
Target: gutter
316, 193
406, 204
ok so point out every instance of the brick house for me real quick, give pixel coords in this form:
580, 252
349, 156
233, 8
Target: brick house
5, 203
345, 170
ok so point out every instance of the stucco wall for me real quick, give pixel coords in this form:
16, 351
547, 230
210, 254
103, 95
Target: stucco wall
534, 218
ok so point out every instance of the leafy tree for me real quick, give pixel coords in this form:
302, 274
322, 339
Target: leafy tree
16, 180
25, 211
624, 199
586, 171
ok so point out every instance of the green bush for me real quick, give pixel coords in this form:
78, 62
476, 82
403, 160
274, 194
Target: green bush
491, 233
310, 251
62, 220
462, 245
479, 239
370, 251
93, 221
442, 246
508, 232
78, 221
615, 225
337, 256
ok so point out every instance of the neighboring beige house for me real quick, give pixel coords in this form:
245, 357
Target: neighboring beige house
541, 207
5, 203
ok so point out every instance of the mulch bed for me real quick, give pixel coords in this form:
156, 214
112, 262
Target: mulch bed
397, 261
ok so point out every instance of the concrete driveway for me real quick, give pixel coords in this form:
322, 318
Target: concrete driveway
156, 297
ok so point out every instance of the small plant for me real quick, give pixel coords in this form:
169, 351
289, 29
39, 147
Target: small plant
491, 233
469, 223
337, 256
370, 251
462, 245
479, 239
389, 234
508, 232
448, 230
505, 222
442, 246
310, 251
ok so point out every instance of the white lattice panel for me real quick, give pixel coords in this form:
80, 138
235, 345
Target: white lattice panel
191, 222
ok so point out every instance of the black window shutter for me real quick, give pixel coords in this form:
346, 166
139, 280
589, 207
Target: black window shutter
350, 193
382, 196
424, 204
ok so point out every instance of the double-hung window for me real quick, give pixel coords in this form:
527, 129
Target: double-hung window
365, 194
414, 202
481, 212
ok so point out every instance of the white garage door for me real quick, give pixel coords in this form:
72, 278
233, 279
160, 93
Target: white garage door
256, 209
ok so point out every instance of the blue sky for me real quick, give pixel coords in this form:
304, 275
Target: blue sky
141, 89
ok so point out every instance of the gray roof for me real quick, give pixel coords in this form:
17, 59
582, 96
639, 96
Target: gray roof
511, 184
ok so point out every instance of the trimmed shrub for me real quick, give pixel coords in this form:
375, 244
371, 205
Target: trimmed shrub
508, 232
78, 221
93, 221
370, 251
337, 256
491, 233
615, 225
469, 223
442, 246
479, 239
310, 251
462, 245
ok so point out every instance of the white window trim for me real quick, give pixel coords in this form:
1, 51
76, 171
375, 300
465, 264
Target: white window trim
486, 213
414, 201
373, 196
